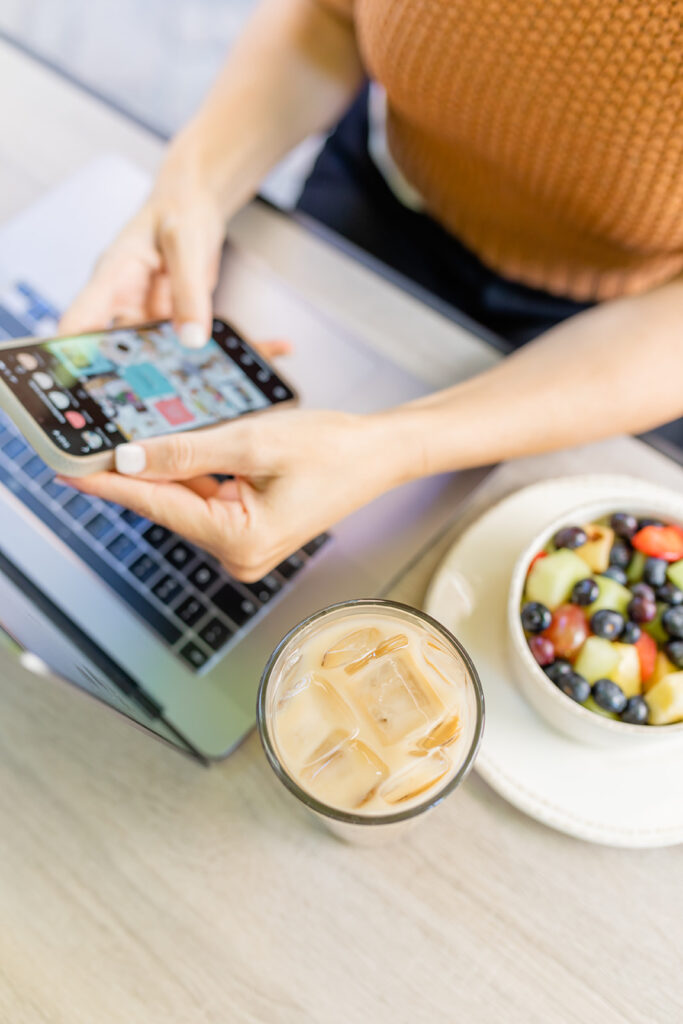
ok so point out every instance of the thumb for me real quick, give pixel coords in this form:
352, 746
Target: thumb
184, 250
227, 449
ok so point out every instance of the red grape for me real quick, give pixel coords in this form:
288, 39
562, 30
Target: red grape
567, 631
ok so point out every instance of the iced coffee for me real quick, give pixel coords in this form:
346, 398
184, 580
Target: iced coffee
370, 711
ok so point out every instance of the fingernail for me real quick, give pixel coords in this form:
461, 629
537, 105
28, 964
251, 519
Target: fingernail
130, 459
192, 335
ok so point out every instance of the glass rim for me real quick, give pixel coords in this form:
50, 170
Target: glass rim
350, 817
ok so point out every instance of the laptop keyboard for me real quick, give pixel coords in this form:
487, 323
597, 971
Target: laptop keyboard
184, 595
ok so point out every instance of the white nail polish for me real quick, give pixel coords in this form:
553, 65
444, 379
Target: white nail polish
130, 459
192, 335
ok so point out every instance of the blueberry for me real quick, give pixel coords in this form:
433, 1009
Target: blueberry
535, 617
643, 590
609, 696
631, 634
636, 711
641, 609
620, 554
654, 571
585, 591
607, 624
672, 620
615, 573
674, 652
623, 524
646, 521
575, 686
557, 669
570, 537
542, 649
670, 594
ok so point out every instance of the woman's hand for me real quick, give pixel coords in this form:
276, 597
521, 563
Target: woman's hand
295, 474
162, 266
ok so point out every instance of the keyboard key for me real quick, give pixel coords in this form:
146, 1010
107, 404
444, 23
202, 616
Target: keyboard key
215, 633
53, 488
265, 588
14, 447
238, 608
34, 467
203, 576
156, 535
162, 626
191, 610
315, 545
179, 555
143, 567
77, 506
193, 655
167, 589
132, 518
291, 566
121, 546
99, 526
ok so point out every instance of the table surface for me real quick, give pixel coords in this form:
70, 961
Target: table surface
136, 886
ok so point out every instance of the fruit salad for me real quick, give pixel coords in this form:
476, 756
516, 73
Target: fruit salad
603, 616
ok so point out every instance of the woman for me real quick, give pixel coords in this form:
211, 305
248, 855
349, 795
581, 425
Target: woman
543, 145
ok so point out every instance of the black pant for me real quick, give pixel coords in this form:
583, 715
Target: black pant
347, 193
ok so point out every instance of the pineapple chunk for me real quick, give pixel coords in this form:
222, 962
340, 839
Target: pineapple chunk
551, 579
595, 552
665, 700
597, 659
612, 595
663, 667
626, 672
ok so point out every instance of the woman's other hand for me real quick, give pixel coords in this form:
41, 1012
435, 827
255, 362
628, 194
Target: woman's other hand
162, 266
295, 474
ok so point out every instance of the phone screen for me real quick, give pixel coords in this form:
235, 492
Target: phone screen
95, 391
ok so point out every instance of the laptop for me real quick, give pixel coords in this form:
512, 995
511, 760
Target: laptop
121, 607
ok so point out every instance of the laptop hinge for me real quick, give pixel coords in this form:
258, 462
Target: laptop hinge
113, 672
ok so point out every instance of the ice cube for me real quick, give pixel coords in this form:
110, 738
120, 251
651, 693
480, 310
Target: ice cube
388, 646
346, 774
396, 697
420, 776
351, 647
443, 734
444, 662
309, 711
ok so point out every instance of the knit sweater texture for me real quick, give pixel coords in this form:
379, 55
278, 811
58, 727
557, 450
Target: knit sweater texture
546, 134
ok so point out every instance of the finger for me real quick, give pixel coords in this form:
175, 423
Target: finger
118, 289
271, 349
184, 252
160, 299
237, 448
170, 504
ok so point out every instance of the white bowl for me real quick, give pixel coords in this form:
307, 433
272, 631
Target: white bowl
561, 711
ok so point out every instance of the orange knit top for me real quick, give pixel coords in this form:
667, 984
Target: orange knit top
546, 134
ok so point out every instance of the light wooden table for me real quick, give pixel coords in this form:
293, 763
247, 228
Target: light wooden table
137, 887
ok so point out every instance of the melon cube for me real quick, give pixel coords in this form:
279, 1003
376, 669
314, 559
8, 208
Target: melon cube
597, 659
551, 579
612, 595
675, 573
663, 667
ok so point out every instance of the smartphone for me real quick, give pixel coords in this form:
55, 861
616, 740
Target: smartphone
76, 398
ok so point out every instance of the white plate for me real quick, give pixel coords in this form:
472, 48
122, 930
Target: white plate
620, 798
